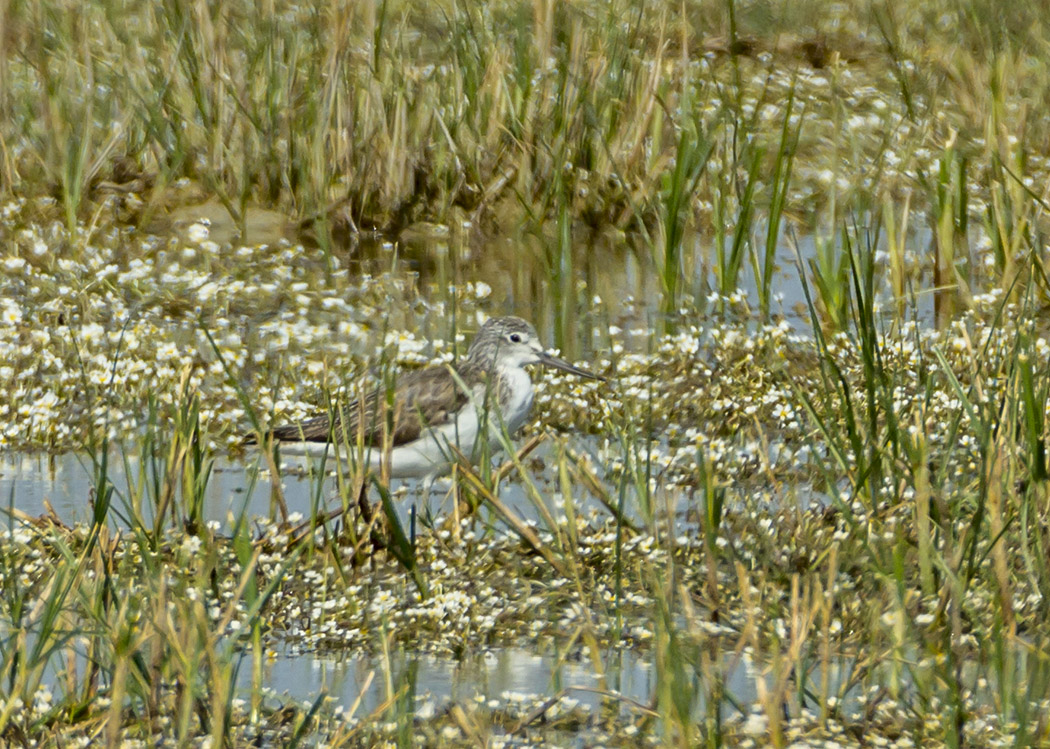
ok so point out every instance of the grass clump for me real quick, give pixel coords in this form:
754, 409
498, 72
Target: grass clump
816, 512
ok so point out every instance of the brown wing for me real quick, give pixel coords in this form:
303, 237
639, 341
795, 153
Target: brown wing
421, 398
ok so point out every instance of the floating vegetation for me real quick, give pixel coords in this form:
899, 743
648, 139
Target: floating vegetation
833, 503
805, 243
489, 593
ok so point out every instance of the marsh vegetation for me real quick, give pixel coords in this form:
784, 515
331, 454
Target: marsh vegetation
803, 240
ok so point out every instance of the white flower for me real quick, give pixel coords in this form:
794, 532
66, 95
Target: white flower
10, 312
208, 292
191, 545
198, 231
92, 332
167, 350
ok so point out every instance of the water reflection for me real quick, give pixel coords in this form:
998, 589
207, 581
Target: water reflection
32, 482
502, 674
557, 287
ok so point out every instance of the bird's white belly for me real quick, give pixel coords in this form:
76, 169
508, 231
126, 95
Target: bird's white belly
432, 453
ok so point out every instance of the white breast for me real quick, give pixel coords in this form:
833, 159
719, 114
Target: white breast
519, 387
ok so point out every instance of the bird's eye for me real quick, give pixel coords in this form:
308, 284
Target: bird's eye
515, 338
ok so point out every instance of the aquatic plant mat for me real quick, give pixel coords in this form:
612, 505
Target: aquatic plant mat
806, 243
830, 580
843, 648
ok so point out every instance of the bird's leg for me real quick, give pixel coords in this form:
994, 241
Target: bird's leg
426, 486
371, 532
363, 504
372, 520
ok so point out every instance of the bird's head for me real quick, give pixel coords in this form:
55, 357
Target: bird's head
513, 343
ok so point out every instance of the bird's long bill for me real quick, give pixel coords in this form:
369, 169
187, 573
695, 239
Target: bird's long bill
553, 361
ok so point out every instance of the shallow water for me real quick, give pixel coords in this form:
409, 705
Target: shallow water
501, 674
34, 482
30, 482
620, 273
496, 678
